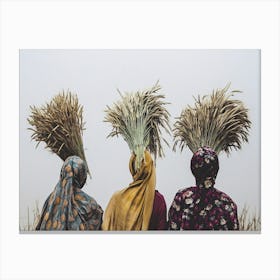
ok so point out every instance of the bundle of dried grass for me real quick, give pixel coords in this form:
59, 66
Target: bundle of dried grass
215, 121
249, 221
139, 117
60, 125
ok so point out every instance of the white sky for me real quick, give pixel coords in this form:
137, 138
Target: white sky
95, 75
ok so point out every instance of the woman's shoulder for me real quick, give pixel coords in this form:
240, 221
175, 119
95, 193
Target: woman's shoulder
159, 199
187, 191
115, 198
159, 195
90, 200
222, 196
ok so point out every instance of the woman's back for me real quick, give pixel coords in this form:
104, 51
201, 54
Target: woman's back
199, 208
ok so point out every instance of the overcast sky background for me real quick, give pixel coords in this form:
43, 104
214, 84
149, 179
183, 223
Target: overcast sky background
95, 75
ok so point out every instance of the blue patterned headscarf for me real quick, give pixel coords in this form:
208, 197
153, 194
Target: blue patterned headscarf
68, 207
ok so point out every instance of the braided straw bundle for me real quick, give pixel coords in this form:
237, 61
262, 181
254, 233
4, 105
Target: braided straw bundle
216, 121
60, 125
139, 117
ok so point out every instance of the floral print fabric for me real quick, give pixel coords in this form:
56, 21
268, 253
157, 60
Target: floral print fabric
205, 166
203, 207
197, 208
68, 207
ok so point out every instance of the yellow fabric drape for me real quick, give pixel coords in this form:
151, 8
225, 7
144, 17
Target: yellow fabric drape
131, 208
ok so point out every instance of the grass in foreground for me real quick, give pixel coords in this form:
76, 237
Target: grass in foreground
247, 221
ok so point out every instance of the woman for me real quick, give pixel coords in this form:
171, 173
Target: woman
139, 117
139, 206
68, 207
203, 207
216, 123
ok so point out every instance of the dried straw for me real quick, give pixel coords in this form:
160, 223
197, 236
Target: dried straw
215, 121
139, 117
60, 125
249, 221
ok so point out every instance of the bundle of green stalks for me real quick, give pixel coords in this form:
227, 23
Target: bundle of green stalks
60, 125
139, 117
216, 121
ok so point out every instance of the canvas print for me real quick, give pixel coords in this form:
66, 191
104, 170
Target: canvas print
140, 140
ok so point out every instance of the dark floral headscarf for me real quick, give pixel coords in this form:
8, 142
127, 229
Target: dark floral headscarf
205, 166
68, 207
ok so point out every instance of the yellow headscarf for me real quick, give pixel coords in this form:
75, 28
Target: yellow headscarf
131, 208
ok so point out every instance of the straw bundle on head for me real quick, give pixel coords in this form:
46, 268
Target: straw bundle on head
216, 121
139, 117
60, 125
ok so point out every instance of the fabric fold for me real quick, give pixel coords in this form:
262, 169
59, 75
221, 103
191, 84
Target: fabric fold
131, 208
68, 207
